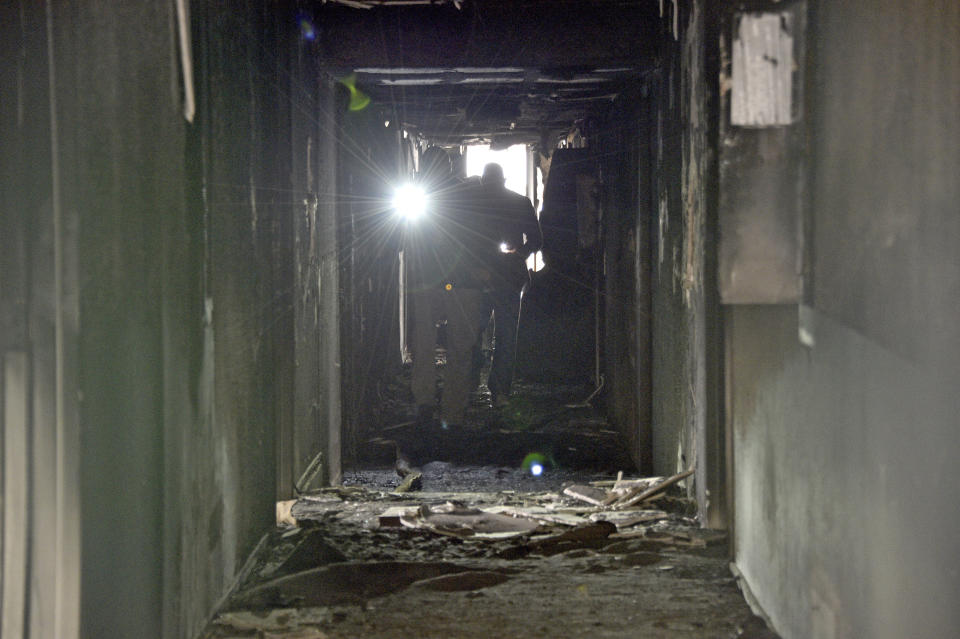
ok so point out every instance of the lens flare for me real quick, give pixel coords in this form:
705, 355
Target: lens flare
358, 99
410, 202
535, 464
307, 30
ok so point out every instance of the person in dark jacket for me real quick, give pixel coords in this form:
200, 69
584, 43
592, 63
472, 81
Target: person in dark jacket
511, 232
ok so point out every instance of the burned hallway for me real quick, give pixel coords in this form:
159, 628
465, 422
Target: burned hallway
749, 272
485, 542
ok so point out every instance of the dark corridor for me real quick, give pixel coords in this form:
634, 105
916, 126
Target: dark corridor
752, 276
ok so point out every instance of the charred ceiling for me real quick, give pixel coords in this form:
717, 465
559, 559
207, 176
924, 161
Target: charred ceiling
489, 70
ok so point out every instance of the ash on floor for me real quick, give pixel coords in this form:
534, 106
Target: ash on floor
361, 562
449, 477
521, 525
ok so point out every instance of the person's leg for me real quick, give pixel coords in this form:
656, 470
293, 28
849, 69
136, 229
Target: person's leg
506, 313
424, 374
467, 312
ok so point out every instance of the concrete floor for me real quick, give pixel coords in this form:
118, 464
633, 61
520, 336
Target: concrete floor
339, 573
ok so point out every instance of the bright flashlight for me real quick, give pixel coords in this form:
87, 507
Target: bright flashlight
536, 469
410, 202
504, 247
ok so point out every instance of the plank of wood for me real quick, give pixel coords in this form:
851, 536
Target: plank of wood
629, 500
588, 494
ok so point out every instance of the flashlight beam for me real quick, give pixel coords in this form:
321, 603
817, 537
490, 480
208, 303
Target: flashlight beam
410, 202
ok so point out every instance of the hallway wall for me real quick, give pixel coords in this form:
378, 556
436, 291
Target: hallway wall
686, 403
626, 176
844, 450
845, 483
147, 286
228, 342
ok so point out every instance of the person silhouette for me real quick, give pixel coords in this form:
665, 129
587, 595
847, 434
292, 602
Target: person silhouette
511, 226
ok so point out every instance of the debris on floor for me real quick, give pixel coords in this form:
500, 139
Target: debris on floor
516, 523
618, 506
461, 521
411, 481
379, 563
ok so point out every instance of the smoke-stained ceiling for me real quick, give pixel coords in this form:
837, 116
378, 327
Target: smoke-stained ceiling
489, 70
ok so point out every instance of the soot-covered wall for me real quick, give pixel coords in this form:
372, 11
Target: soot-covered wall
685, 318
844, 445
624, 149
151, 263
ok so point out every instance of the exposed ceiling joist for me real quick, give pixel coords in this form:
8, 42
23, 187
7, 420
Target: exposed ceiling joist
525, 68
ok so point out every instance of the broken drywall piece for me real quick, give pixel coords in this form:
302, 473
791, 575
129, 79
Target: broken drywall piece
461, 521
390, 518
588, 494
637, 495
284, 515
412, 481
541, 515
299, 633
628, 519
641, 558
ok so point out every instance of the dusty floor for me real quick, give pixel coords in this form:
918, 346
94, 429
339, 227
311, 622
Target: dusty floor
364, 561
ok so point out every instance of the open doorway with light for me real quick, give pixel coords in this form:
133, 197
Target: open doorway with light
523, 176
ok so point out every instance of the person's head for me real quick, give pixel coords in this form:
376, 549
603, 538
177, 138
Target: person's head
435, 164
492, 175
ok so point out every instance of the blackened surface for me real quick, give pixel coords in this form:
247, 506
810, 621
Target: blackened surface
683, 412
505, 34
760, 241
310, 134
520, 71
626, 250
175, 236
671, 339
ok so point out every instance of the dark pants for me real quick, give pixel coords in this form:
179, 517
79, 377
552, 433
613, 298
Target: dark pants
506, 314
